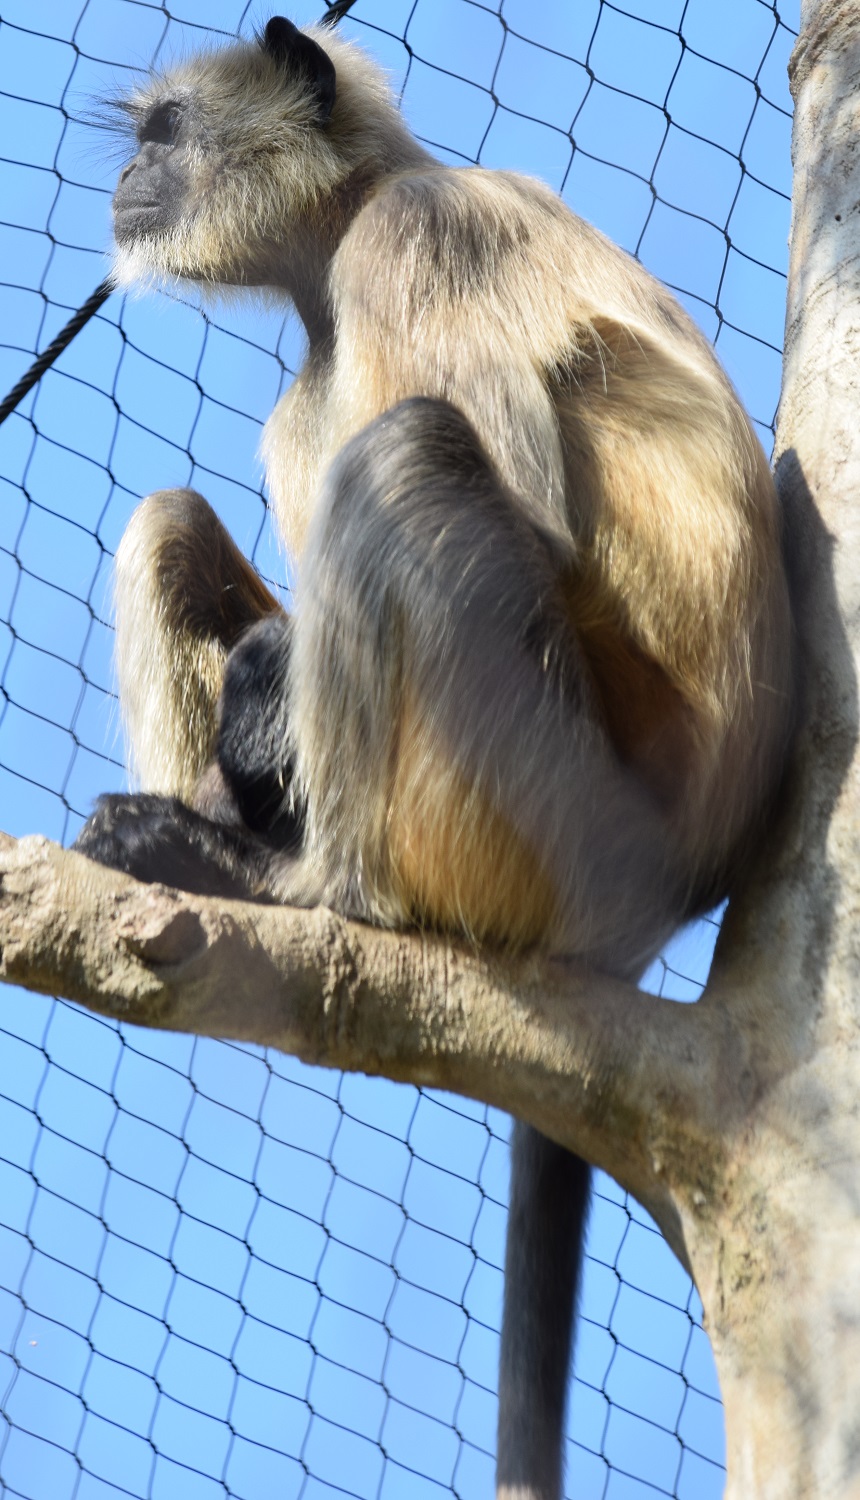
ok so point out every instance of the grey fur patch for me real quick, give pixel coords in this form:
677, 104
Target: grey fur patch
463, 250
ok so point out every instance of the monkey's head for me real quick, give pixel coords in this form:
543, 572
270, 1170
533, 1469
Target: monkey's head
240, 149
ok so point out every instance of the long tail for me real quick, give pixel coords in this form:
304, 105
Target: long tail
546, 1226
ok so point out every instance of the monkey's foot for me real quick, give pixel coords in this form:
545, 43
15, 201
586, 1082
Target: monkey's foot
161, 839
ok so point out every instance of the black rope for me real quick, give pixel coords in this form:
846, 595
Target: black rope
336, 12
56, 347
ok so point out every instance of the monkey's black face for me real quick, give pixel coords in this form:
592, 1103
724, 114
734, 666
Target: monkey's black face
233, 149
152, 191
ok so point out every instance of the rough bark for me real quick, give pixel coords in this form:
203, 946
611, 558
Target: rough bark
735, 1121
777, 1253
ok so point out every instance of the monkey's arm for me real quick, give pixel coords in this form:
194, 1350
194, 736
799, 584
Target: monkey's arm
203, 662
253, 752
236, 839
184, 596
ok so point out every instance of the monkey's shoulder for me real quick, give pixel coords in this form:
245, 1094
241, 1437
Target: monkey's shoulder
455, 235
465, 212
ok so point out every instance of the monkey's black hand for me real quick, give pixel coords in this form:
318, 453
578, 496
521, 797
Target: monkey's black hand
161, 839
252, 750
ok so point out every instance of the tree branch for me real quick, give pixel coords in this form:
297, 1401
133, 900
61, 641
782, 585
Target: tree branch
589, 1060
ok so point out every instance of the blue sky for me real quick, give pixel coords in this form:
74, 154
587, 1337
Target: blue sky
222, 1273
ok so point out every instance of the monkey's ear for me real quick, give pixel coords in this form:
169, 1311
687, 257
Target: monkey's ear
291, 49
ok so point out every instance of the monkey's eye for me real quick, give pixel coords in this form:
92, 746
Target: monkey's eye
161, 124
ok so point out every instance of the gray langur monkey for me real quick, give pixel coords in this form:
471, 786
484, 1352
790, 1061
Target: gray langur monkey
537, 686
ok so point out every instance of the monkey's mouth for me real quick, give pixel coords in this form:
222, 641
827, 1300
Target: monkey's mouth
135, 219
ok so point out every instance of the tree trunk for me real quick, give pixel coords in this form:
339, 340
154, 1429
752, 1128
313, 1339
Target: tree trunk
775, 1245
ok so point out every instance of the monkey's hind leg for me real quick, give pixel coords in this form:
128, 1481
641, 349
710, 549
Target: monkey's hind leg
184, 594
458, 774
446, 732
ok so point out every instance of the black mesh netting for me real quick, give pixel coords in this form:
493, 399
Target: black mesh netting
223, 1273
